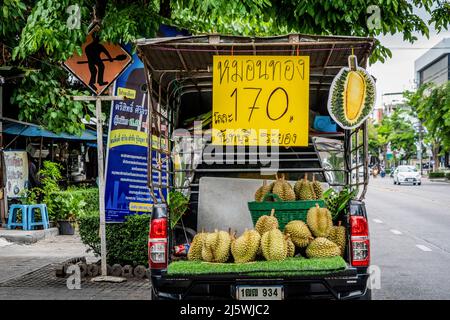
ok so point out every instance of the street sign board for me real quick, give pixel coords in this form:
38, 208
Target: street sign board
100, 63
261, 100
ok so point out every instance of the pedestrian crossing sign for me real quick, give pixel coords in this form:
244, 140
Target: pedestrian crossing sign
100, 63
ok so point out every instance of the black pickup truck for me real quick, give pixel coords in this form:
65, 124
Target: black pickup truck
180, 87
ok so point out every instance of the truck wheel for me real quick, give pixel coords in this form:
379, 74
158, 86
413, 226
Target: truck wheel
153, 295
367, 295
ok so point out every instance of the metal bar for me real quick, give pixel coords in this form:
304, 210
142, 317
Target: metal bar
260, 169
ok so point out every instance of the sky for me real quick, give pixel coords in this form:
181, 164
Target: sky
397, 73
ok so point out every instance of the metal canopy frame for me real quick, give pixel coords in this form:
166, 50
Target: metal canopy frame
182, 65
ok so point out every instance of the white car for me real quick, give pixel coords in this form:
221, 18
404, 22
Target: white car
407, 174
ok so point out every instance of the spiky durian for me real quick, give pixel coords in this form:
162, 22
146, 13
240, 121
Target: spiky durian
216, 247
338, 236
273, 245
352, 95
266, 223
322, 248
262, 191
305, 190
317, 187
319, 221
299, 233
290, 246
283, 189
245, 248
195, 250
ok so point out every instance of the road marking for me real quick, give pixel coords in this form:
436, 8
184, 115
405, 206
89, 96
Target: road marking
395, 231
423, 248
377, 221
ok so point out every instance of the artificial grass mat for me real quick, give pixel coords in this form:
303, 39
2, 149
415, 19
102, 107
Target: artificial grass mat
297, 266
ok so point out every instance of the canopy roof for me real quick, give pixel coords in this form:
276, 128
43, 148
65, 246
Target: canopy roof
31, 130
187, 61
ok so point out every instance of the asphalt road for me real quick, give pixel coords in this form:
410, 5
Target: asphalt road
410, 238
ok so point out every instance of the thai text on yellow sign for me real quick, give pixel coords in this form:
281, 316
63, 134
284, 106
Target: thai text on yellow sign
261, 100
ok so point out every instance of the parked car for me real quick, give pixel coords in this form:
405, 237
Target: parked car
407, 174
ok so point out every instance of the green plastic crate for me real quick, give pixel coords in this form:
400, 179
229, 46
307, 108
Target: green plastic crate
285, 211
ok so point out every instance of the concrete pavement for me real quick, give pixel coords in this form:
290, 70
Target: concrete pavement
410, 238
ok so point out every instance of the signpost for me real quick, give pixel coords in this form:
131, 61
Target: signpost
98, 66
261, 100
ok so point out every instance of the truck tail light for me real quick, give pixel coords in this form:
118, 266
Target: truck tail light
360, 243
157, 244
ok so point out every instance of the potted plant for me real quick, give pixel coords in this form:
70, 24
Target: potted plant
68, 208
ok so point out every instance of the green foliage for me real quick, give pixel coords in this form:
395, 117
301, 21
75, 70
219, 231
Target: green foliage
46, 98
72, 203
178, 204
337, 202
436, 175
447, 175
35, 35
431, 105
127, 243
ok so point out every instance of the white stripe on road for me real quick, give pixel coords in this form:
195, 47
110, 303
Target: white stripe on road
377, 221
423, 248
395, 231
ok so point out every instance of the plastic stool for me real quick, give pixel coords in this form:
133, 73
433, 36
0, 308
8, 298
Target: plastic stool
13, 213
44, 216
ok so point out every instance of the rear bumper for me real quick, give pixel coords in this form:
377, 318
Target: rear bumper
215, 288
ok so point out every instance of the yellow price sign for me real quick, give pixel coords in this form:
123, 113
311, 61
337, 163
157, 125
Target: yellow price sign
261, 100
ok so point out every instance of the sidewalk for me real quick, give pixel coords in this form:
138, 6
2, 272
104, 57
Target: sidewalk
28, 272
27, 237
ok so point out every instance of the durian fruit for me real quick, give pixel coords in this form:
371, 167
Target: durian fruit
319, 221
273, 245
322, 248
318, 190
305, 191
195, 250
283, 189
216, 247
299, 233
338, 236
266, 223
297, 187
245, 248
290, 246
262, 191
352, 95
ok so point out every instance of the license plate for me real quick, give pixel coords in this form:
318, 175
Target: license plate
259, 292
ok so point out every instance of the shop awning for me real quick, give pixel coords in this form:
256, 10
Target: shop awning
31, 130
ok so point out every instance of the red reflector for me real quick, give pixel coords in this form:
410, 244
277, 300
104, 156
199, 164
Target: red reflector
359, 226
158, 228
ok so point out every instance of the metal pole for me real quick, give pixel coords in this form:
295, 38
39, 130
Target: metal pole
101, 178
101, 183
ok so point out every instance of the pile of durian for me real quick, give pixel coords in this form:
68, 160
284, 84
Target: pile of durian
317, 238
302, 190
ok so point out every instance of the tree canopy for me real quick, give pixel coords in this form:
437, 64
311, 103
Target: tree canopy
35, 35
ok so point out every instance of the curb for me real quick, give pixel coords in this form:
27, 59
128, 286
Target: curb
31, 238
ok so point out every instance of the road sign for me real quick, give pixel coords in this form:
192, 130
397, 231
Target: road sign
99, 65
261, 100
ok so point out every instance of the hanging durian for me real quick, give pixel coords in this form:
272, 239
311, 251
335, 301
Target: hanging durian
273, 245
319, 221
195, 250
266, 223
283, 189
352, 95
216, 247
262, 191
299, 233
245, 248
338, 236
322, 248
